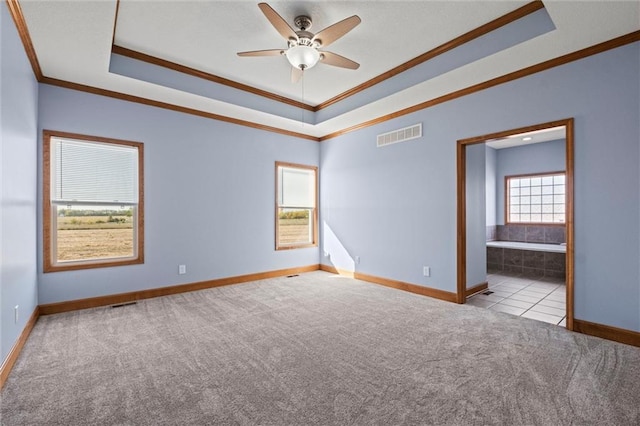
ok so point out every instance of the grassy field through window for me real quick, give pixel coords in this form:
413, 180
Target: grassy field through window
94, 237
293, 231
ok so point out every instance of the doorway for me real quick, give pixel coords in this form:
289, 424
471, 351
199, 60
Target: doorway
462, 290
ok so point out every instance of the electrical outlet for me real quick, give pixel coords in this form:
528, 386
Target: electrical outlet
357, 259
426, 271
182, 269
15, 314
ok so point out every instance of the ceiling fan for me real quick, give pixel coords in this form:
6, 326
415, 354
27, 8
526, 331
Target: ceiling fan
303, 50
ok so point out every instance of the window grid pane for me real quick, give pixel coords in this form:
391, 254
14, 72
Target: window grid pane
536, 199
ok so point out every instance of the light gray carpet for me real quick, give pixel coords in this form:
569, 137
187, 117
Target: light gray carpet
315, 349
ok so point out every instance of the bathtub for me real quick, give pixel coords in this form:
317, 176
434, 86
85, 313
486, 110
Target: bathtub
517, 245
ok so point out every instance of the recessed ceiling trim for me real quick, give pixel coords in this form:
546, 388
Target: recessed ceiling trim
115, 23
21, 25
484, 29
170, 74
172, 107
543, 66
133, 54
18, 18
139, 56
494, 42
510, 17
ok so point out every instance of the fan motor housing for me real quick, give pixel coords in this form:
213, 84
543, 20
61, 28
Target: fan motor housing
303, 22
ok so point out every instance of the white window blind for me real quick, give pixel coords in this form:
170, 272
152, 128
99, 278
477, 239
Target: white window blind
93, 172
297, 188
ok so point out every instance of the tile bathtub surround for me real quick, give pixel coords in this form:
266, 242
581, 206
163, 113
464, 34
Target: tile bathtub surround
502, 233
542, 299
533, 259
492, 233
530, 233
529, 263
534, 234
517, 232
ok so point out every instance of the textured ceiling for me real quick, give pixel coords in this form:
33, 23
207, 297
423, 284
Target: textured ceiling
73, 39
207, 35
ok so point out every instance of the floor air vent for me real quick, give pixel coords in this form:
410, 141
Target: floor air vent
120, 305
488, 292
401, 135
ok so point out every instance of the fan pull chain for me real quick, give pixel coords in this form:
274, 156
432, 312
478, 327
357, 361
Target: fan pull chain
302, 84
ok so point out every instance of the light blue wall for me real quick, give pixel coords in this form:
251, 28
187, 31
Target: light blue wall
533, 158
209, 194
18, 128
395, 207
476, 214
490, 185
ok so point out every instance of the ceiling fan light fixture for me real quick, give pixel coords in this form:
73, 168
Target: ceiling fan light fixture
302, 57
302, 46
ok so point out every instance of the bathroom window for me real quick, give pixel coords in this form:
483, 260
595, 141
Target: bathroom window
538, 198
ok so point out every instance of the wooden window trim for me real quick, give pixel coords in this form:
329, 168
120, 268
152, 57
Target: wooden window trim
507, 221
49, 265
314, 215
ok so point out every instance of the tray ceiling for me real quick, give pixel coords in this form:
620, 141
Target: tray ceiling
73, 42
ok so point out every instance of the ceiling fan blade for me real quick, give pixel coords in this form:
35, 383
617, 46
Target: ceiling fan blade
337, 30
296, 74
278, 22
338, 61
270, 52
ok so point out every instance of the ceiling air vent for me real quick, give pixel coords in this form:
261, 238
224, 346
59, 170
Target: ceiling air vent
408, 133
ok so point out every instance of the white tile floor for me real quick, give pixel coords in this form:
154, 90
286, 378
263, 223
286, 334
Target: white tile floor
542, 299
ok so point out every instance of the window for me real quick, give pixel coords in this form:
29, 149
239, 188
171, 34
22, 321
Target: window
296, 206
535, 198
93, 202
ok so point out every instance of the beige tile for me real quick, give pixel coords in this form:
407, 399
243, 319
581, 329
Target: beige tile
474, 301
532, 294
502, 293
543, 286
540, 316
519, 281
525, 298
495, 280
553, 304
516, 303
549, 310
540, 291
507, 309
490, 298
514, 287
551, 280
558, 297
